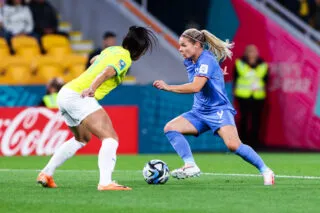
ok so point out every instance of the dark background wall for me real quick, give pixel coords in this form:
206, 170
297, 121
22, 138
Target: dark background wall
186, 13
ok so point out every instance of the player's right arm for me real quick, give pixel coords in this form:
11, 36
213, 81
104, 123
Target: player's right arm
106, 74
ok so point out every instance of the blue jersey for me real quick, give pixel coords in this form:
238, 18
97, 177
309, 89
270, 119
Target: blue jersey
213, 96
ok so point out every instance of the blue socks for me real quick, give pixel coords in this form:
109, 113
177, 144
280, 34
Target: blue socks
249, 155
181, 145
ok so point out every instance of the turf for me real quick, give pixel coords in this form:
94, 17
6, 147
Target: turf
77, 181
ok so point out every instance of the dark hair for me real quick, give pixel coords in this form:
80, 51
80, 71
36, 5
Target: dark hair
10, 2
138, 41
109, 34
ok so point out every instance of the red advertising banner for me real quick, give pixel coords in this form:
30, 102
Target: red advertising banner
39, 131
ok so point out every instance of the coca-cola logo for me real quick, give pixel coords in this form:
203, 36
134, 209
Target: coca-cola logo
31, 131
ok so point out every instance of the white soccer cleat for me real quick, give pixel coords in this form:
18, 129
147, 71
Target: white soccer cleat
186, 172
268, 177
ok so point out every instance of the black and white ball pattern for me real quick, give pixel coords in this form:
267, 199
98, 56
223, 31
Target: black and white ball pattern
156, 172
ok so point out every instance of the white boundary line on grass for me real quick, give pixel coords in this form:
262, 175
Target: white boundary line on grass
204, 173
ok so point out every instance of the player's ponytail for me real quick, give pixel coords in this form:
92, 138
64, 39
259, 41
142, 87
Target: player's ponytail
138, 41
222, 49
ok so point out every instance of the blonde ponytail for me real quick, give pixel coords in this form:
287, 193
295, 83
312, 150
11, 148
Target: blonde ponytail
222, 49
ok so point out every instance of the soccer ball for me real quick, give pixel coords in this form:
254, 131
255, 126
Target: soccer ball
156, 172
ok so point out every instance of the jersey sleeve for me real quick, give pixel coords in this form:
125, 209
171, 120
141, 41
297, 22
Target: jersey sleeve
208, 67
117, 63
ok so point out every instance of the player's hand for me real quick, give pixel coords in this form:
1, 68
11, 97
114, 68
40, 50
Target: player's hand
87, 93
159, 84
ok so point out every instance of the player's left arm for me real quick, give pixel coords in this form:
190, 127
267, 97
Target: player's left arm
193, 87
106, 74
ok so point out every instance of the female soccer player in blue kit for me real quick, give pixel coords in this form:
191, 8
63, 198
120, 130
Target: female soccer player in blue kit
211, 108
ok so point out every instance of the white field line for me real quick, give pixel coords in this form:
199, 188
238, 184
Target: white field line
138, 171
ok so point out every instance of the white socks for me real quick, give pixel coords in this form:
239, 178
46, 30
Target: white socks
63, 153
107, 160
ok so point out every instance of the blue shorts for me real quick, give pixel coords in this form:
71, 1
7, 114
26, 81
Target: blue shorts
214, 121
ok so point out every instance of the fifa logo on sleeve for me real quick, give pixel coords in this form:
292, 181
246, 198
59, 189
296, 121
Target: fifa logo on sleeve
122, 64
203, 69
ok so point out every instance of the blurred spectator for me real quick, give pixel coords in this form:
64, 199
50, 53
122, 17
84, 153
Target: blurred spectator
53, 87
1, 19
251, 74
109, 39
44, 16
17, 20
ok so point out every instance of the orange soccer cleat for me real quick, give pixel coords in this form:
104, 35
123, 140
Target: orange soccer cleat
113, 187
46, 180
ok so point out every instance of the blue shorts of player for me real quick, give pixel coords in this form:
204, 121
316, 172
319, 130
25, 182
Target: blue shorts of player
213, 120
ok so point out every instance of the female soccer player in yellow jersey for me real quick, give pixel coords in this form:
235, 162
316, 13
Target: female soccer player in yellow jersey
77, 101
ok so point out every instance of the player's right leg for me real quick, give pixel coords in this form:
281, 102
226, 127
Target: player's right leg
175, 131
99, 124
63, 153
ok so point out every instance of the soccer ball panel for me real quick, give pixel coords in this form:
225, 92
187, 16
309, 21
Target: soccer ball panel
156, 172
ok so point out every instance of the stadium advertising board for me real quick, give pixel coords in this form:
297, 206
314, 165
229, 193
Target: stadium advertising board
39, 131
291, 117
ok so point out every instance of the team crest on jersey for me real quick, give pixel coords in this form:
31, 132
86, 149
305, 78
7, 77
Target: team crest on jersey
203, 69
122, 64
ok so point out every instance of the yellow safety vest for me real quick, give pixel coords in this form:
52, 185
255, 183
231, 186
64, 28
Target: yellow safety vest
250, 80
50, 100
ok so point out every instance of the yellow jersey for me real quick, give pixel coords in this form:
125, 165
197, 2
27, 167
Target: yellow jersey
116, 57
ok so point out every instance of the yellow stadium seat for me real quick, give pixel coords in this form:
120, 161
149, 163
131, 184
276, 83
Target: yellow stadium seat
19, 74
3, 42
4, 48
54, 40
75, 59
48, 67
44, 60
28, 52
23, 41
3, 77
77, 69
25, 46
17, 71
59, 51
47, 72
75, 65
4, 62
4, 51
67, 76
56, 45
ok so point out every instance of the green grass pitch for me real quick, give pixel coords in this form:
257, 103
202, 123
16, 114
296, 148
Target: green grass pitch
223, 187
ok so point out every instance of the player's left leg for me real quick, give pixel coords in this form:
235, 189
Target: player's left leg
99, 124
230, 137
63, 153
